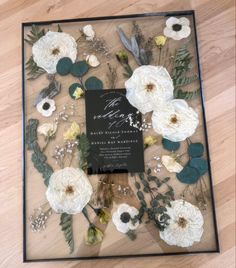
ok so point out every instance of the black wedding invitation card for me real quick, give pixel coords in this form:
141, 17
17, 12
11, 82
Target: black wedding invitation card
115, 146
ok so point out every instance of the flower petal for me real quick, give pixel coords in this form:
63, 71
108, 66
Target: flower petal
184, 21
171, 21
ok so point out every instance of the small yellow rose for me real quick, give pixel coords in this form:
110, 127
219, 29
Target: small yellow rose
72, 132
78, 93
104, 216
171, 164
149, 140
160, 40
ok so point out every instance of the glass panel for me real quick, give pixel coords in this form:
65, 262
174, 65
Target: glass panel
115, 128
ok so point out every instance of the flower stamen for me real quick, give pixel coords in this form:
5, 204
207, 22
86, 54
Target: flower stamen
182, 222
150, 87
174, 119
177, 27
69, 190
55, 51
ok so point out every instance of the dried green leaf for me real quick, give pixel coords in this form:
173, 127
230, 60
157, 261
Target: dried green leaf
66, 227
35, 35
84, 148
33, 71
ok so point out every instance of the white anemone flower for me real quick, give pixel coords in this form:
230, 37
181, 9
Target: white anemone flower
149, 87
185, 224
171, 164
177, 29
175, 121
46, 107
122, 218
51, 47
69, 190
89, 32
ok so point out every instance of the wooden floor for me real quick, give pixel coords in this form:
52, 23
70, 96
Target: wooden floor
216, 29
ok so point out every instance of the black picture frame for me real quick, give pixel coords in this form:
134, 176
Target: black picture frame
167, 14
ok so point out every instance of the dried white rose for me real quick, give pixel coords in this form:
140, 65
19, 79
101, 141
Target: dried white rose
46, 107
175, 121
89, 32
177, 28
47, 129
92, 60
51, 47
171, 164
122, 218
149, 87
185, 224
69, 190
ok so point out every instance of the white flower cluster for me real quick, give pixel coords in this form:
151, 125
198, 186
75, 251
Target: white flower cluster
150, 88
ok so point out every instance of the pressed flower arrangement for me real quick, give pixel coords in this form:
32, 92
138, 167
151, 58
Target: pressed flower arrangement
116, 156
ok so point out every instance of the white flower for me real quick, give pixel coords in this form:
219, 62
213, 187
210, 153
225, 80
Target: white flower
123, 216
149, 87
53, 46
171, 164
46, 107
69, 190
92, 60
177, 28
185, 224
175, 121
47, 129
89, 32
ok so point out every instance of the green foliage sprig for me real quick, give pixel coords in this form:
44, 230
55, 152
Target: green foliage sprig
38, 158
34, 35
34, 71
83, 147
66, 226
156, 210
180, 77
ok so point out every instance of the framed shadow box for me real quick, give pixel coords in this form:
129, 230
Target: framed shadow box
116, 158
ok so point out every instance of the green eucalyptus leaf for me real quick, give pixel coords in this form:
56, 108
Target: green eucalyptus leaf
79, 68
93, 83
140, 195
137, 185
170, 145
200, 164
196, 149
188, 175
64, 66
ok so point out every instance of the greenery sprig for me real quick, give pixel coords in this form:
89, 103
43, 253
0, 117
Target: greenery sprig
83, 147
33, 70
156, 209
66, 221
38, 158
34, 35
180, 77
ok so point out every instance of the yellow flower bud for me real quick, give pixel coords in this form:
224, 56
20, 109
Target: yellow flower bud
93, 236
160, 40
104, 216
78, 93
72, 132
149, 140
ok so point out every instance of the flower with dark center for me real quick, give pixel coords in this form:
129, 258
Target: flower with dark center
123, 218
46, 107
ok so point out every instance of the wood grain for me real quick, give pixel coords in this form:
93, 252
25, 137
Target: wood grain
215, 25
